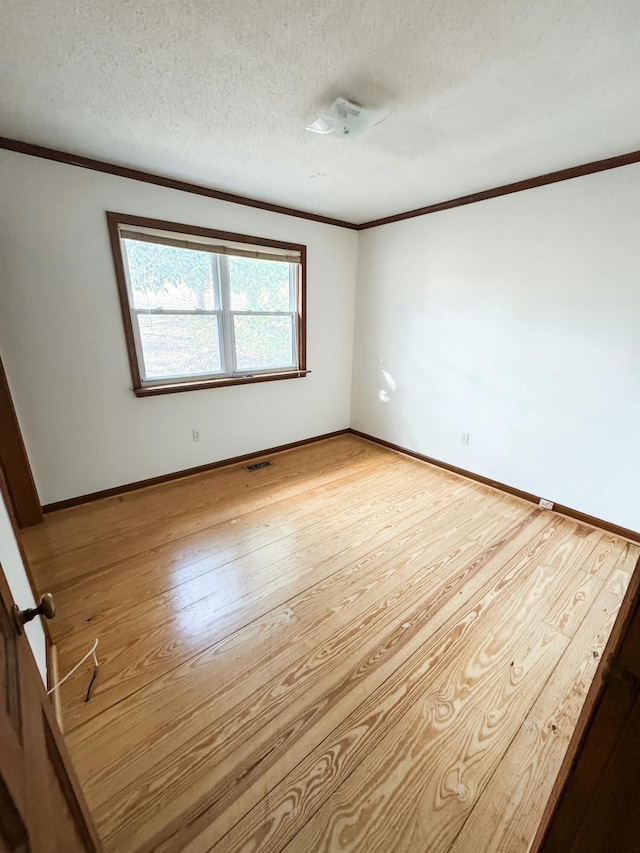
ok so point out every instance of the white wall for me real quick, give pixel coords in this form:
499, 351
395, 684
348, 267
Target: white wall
63, 345
517, 320
514, 319
13, 568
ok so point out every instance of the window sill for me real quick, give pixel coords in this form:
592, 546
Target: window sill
153, 390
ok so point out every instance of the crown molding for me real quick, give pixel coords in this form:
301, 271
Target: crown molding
507, 189
163, 181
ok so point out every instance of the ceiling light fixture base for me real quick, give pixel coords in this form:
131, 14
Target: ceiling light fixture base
346, 120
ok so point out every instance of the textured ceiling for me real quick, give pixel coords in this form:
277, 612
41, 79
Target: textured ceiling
482, 93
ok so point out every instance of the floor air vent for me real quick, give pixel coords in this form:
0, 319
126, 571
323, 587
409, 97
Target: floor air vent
257, 465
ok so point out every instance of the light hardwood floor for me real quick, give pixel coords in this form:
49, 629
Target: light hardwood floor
347, 650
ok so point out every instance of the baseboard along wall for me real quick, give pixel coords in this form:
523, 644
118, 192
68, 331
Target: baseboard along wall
632, 535
186, 472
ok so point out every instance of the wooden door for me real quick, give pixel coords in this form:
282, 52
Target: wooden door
41, 804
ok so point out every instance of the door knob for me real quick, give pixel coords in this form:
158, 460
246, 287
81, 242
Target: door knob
46, 608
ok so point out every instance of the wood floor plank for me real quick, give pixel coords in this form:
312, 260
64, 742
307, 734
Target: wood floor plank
256, 584
379, 583
75, 524
414, 789
618, 580
350, 649
136, 652
169, 563
608, 560
194, 500
312, 682
231, 538
408, 794
224, 545
442, 630
506, 816
162, 568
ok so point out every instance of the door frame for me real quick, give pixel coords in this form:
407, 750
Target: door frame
23, 494
53, 742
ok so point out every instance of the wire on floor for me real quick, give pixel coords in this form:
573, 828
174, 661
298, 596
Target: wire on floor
92, 651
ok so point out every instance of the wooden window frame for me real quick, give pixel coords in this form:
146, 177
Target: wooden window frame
142, 389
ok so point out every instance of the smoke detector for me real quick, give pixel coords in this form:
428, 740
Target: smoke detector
346, 119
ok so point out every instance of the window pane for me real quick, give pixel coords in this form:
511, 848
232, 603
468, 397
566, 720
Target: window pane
179, 345
170, 278
263, 342
257, 285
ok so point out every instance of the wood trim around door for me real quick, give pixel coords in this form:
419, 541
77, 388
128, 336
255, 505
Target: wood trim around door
50, 751
23, 494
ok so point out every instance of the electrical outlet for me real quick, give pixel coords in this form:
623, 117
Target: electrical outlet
464, 437
545, 504
196, 435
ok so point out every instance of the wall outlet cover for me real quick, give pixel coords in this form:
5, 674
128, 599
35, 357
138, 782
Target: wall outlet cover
464, 437
196, 435
545, 504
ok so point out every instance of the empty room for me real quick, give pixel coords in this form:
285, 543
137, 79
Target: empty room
319, 418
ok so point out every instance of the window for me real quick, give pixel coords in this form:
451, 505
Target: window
203, 308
